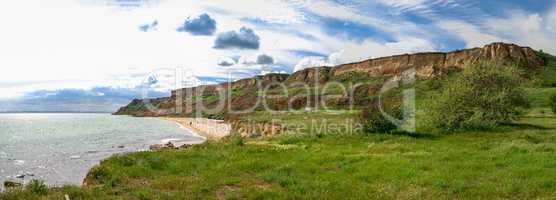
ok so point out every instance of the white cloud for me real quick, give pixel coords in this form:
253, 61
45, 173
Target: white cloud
525, 28
98, 44
551, 20
344, 12
355, 52
273, 11
310, 62
102, 46
472, 34
530, 29
420, 6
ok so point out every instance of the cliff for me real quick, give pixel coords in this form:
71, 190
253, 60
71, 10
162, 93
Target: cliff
430, 64
243, 93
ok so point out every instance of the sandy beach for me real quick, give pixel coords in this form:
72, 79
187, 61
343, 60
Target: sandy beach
206, 128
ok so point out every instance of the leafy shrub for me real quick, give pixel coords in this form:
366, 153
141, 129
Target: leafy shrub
238, 141
375, 121
100, 174
553, 103
37, 187
544, 56
482, 96
234, 139
215, 116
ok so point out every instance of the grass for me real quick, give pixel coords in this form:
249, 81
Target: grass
540, 97
513, 162
547, 77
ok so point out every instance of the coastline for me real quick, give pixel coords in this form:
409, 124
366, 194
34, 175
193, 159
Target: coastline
210, 130
140, 134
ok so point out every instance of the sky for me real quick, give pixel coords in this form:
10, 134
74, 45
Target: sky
96, 55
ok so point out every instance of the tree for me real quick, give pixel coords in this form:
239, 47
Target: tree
374, 121
482, 96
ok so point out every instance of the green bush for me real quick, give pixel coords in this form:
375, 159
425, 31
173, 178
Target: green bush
544, 56
238, 141
553, 103
100, 174
37, 187
374, 121
482, 96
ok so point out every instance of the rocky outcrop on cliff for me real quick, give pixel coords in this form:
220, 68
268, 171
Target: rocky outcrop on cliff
310, 76
259, 81
252, 83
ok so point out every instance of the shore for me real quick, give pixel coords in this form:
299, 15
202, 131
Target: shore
206, 128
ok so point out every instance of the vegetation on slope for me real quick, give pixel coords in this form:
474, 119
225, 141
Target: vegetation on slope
482, 96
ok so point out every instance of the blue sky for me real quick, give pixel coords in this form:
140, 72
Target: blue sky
116, 45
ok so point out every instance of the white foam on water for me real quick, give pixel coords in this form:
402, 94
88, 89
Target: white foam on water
3, 154
75, 157
19, 162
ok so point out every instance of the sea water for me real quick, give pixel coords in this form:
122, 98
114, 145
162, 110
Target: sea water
61, 148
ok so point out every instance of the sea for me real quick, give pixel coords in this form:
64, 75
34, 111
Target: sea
60, 148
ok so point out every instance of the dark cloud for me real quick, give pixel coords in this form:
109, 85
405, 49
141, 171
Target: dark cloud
226, 62
244, 39
200, 25
305, 53
149, 27
264, 59
261, 59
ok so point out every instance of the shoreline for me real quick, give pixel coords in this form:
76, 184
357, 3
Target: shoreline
205, 128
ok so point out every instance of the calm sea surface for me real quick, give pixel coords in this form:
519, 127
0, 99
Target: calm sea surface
61, 148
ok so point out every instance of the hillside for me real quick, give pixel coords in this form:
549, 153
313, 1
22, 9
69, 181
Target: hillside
349, 84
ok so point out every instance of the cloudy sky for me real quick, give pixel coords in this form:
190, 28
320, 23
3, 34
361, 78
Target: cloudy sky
98, 54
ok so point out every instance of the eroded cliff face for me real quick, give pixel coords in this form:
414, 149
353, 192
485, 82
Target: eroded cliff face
432, 64
255, 82
310, 76
428, 65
